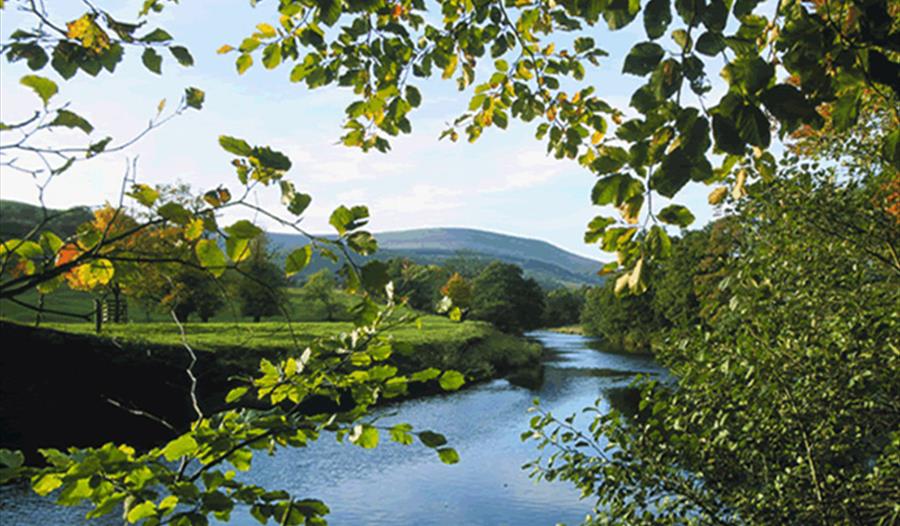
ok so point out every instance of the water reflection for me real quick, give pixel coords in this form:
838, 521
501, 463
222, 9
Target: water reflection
401, 485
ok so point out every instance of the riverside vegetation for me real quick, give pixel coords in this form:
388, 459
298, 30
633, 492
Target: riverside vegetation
782, 406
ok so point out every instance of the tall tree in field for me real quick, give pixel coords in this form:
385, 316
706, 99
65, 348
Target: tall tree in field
261, 284
321, 288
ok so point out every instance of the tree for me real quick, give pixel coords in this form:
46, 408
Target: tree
191, 291
505, 298
321, 288
184, 481
782, 409
418, 284
563, 307
541, 51
459, 290
627, 322
261, 283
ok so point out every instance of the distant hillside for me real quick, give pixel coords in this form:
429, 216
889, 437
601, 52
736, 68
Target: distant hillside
18, 219
550, 265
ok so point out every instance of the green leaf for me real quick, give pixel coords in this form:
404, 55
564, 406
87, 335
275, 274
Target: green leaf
235, 394
144, 194
400, 433
210, 256
788, 105
194, 98
616, 189
157, 35
236, 146
271, 56
152, 60
174, 212
451, 380
752, 125
726, 135
270, 158
71, 119
619, 13
44, 87
657, 17
345, 219
142, 511
609, 159
243, 63
237, 249
424, 375
432, 439
299, 203
243, 229
710, 43
846, 110
45, 484
180, 447
676, 215
751, 74
413, 96
643, 58
182, 55
448, 455
365, 436
298, 260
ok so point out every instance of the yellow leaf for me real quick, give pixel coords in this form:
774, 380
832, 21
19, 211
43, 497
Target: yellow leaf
596, 137
86, 31
224, 49
450, 68
739, 191
717, 195
161, 106
266, 30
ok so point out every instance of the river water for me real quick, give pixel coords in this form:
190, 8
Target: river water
408, 485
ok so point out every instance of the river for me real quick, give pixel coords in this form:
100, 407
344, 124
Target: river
408, 485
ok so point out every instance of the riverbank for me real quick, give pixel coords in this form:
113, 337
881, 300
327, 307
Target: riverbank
64, 386
577, 330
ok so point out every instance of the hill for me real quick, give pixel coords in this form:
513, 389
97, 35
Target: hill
18, 219
548, 264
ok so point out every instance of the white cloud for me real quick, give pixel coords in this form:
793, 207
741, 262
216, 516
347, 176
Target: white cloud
420, 198
530, 168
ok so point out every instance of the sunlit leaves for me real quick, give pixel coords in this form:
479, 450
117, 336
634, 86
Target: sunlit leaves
43, 87
91, 35
451, 380
236, 146
210, 256
297, 260
616, 189
144, 194
345, 219
179, 447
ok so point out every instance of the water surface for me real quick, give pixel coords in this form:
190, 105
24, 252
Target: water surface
406, 485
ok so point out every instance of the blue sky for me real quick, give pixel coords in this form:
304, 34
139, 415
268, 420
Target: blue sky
503, 183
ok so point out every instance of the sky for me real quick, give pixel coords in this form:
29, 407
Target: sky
503, 183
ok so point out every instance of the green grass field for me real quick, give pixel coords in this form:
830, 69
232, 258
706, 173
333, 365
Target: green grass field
73, 301
473, 347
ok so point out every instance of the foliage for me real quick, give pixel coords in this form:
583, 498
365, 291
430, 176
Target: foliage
628, 322
260, 287
320, 287
459, 290
783, 408
418, 284
506, 299
834, 52
186, 481
191, 291
563, 307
